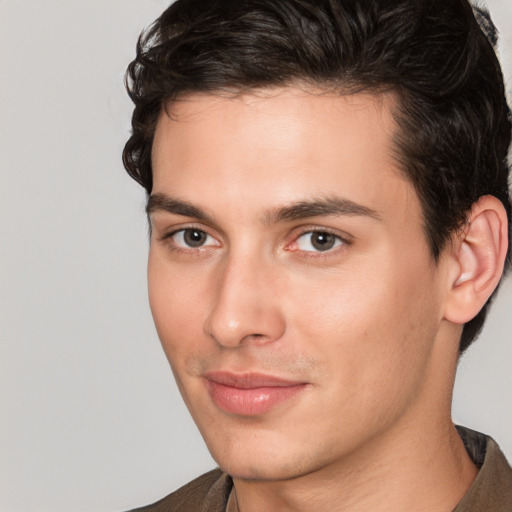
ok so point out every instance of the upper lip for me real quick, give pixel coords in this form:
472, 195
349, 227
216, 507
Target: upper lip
249, 380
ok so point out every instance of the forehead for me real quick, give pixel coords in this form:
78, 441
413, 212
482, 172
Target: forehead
261, 110
278, 146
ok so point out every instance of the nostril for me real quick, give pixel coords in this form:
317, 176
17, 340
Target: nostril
254, 338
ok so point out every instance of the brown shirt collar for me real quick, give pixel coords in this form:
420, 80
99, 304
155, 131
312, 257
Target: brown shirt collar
492, 489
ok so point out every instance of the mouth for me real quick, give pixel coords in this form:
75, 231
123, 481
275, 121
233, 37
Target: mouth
250, 394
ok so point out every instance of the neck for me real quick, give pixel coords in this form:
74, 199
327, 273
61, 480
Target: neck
421, 470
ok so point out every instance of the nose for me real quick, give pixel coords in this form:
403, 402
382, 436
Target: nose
246, 307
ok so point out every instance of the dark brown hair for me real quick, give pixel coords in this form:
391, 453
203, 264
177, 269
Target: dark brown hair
454, 124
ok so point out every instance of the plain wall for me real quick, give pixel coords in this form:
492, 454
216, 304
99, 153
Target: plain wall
91, 419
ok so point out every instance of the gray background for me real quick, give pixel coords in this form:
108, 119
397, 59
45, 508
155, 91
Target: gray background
90, 416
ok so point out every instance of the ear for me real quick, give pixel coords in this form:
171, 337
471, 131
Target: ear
478, 256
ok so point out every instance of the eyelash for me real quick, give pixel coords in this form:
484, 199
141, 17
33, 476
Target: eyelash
342, 242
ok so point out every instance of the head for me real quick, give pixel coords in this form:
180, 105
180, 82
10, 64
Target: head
454, 124
266, 132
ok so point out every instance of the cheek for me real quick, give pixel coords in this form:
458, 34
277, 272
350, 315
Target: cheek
370, 333
176, 305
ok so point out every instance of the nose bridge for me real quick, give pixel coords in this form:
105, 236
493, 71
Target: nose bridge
245, 308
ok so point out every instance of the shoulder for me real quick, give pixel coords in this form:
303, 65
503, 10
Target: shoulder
209, 492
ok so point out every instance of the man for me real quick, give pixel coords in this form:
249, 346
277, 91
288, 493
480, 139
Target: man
329, 212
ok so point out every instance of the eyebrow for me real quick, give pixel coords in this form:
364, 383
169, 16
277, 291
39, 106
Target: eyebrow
319, 207
314, 207
162, 202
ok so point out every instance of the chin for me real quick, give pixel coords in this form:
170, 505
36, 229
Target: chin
267, 470
265, 458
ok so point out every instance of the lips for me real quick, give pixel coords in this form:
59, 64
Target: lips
250, 394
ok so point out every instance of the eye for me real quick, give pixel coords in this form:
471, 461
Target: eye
191, 238
318, 241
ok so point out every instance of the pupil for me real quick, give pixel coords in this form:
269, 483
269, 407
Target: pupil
194, 237
323, 241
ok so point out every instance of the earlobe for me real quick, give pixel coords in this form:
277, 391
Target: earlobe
479, 255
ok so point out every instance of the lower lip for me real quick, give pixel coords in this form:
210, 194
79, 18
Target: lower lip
253, 401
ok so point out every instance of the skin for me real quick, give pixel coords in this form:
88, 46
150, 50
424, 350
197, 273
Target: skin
362, 324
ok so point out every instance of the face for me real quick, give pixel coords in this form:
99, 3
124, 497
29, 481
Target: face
289, 277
